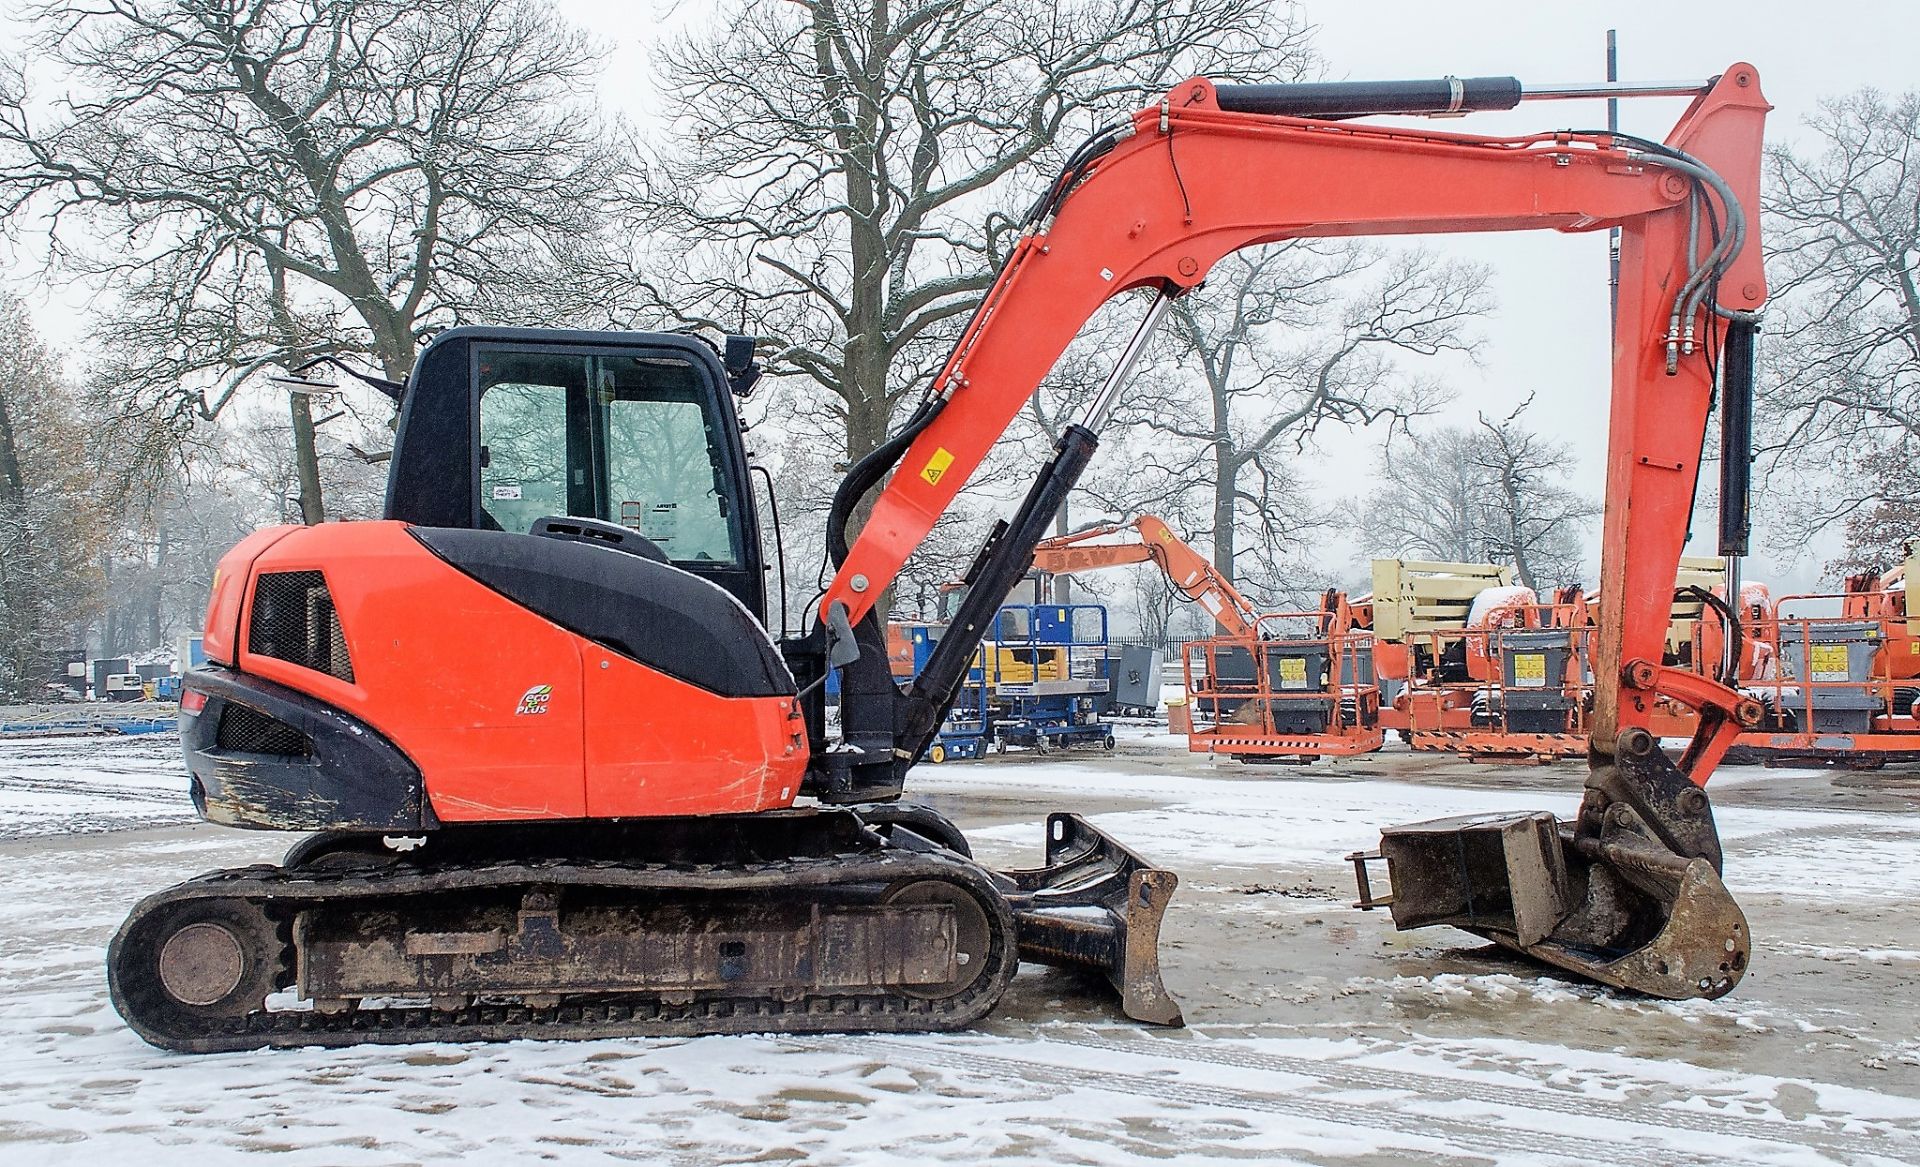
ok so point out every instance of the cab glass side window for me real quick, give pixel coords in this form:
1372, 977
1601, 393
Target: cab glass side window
633, 440
665, 475
524, 457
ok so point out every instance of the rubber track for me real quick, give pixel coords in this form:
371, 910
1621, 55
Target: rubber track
578, 1017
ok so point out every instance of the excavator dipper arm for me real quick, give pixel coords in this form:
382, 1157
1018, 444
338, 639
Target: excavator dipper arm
1156, 202
1191, 573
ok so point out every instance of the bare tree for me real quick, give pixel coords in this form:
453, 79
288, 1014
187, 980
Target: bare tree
1877, 534
841, 171
263, 181
53, 524
1840, 417
1429, 502
1493, 492
1282, 341
1533, 519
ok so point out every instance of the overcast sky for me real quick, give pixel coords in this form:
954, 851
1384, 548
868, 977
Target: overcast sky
1549, 333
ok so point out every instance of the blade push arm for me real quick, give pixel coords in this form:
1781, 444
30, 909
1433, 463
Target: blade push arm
1185, 183
1190, 572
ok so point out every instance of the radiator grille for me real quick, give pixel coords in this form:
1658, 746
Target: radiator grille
294, 621
249, 731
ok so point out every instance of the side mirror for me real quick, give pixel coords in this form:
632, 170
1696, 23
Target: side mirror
742, 372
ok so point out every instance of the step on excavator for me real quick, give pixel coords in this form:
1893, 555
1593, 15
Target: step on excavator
547, 674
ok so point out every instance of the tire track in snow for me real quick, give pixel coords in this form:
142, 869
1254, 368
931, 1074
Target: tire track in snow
124, 791
1478, 1137
1445, 1088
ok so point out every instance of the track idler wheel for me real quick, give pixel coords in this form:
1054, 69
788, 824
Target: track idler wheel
921, 821
1628, 894
196, 969
977, 938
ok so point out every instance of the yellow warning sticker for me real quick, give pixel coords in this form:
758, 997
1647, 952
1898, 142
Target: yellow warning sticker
1529, 670
936, 466
1829, 662
1293, 672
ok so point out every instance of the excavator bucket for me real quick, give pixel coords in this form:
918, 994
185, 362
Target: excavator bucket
1096, 905
1627, 894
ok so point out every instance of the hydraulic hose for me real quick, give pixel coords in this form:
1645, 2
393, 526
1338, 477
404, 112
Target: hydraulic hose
1729, 671
867, 473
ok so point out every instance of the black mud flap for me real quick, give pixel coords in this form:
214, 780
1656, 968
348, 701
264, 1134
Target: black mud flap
1628, 894
1096, 905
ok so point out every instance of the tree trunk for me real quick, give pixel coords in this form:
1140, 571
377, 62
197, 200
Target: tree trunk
1225, 473
306, 454
1522, 570
1522, 566
306, 460
12, 487
157, 595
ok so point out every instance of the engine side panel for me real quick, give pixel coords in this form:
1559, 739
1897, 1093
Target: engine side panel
220, 638
483, 696
660, 746
510, 717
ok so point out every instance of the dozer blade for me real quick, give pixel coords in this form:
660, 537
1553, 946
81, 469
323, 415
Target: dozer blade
1096, 905
1628, 894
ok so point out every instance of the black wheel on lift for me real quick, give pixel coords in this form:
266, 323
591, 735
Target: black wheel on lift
1106, 743
197, 968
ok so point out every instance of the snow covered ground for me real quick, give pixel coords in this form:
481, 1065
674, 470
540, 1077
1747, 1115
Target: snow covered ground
1317, 1035
81, 784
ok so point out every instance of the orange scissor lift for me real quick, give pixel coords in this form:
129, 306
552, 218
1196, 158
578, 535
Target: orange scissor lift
1837, 674
1303, 688
1475, 665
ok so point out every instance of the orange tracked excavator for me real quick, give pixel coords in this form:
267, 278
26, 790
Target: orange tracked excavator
549, 666
1148, 539
1272, 686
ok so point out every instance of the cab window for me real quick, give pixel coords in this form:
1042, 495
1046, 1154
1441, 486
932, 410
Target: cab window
633, 440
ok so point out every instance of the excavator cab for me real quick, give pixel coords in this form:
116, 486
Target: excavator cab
505, 427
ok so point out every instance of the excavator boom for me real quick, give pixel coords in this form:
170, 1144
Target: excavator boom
1154, 203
